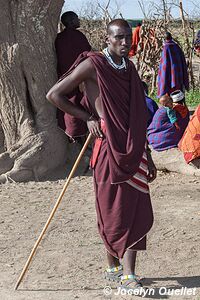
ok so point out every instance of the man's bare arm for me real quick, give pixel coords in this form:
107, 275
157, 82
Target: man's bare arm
57, 94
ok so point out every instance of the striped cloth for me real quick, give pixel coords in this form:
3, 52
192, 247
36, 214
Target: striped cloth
139, 180
172, 73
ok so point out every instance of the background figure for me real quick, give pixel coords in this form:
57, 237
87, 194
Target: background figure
197, 44
69, 44
162, 134
135, 40
190, 142
167, 102
179, 105
172, 74
151, 104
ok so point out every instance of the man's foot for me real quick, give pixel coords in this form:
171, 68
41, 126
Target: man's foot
114, 274
131, 282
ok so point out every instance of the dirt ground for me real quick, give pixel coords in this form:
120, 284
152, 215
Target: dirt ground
70, 260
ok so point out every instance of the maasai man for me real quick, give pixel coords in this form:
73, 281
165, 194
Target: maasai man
162, 134
117, 117
172, 74
69, 44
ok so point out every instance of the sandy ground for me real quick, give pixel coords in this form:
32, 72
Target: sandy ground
70, 260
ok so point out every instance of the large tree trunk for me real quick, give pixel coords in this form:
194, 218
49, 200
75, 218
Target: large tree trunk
30, 141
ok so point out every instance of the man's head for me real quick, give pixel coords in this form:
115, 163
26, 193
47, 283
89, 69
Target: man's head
166, 101
119, 37
168, 36
70, 20
139, 24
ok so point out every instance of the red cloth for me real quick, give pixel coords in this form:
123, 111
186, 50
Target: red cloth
125, 115
139, 180
124, 214
190, 142
181, 109
69, 44
135, 41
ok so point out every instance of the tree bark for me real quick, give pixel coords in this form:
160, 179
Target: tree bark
30, 142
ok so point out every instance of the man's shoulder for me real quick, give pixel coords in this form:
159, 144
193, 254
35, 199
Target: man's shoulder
84, 61
69, 32
96, 56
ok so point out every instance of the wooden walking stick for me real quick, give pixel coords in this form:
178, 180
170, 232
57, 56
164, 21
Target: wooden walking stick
53, 211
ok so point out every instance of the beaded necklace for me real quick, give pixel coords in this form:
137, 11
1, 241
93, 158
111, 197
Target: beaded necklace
112, 63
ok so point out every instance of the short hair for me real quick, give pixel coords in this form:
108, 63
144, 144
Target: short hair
165, 98
117, 22
168, 35
67, 17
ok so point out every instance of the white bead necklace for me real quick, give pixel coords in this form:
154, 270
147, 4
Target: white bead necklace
112, 63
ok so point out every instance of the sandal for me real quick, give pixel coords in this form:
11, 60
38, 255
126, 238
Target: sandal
114, 274
131, 282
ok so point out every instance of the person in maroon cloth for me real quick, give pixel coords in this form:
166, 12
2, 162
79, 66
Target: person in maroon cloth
121, 162
69, 44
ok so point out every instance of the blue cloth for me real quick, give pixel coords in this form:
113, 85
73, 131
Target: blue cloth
171, 115
162, 134
152, 108
172, 73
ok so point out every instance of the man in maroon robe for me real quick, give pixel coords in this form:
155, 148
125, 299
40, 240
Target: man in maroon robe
69, 44
117, 117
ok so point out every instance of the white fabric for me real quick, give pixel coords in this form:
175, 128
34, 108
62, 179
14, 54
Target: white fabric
177, 96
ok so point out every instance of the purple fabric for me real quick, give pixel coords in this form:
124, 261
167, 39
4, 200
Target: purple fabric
172, 74
163, 135
152, 108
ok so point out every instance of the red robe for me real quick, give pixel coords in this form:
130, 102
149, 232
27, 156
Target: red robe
69, 44
135, 41
124, 214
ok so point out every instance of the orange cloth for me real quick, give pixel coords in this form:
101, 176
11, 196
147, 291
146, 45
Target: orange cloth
135, 41
190, 142
181, 109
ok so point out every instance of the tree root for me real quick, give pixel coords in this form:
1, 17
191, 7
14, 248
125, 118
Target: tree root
34, 156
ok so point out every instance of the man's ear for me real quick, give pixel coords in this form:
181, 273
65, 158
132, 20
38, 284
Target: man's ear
107, 40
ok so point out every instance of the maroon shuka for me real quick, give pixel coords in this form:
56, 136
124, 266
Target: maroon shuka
69, 44
124, 214
125, 116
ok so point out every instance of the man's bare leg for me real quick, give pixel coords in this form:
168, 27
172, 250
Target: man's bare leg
129, 262
112, 261
114, 270
129, 279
